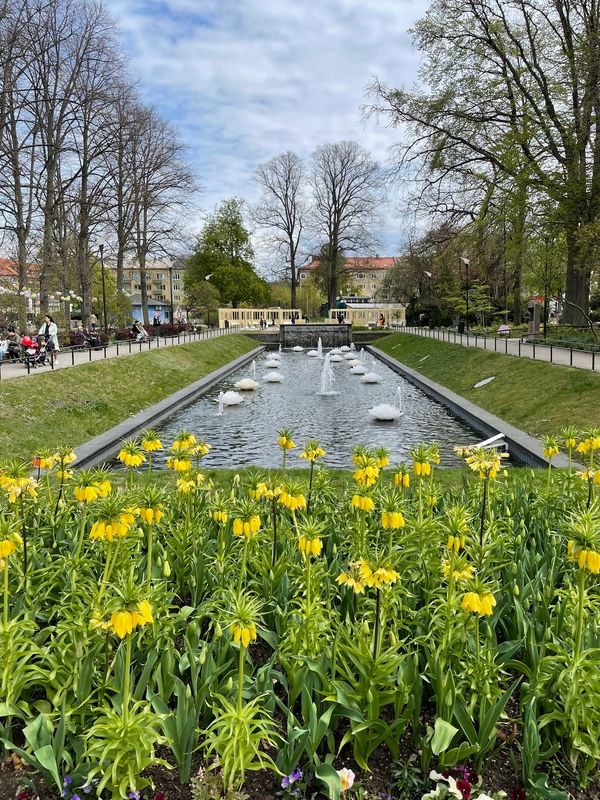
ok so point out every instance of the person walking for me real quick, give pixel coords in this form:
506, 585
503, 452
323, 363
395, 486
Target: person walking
93, 321
49, 330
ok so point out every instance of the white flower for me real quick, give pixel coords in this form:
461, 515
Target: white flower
347, 778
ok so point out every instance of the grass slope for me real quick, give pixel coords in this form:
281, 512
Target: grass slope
537, 397
69, 406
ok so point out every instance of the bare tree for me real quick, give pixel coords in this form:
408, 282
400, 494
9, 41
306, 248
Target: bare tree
282, 209
513, 85
347, 188
162, 187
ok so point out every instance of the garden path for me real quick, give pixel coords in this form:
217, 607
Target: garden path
73, 358
554, 354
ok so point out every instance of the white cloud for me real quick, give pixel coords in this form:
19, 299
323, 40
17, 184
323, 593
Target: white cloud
247, 79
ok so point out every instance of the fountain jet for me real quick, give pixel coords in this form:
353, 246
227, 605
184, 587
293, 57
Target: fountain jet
320, 347
327, 378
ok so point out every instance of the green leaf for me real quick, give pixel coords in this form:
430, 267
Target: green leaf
443, 734
328, 775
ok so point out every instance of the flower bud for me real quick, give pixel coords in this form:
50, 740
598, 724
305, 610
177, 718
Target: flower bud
218, 631
166, 569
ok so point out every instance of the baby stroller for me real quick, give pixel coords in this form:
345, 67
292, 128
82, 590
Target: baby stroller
34, 352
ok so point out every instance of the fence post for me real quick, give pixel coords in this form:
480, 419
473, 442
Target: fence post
89, 353
129, 344
72, 357
571, 358
52, 358
519, 347
105, 352
495, 344
117, 343
506, 346
534, 351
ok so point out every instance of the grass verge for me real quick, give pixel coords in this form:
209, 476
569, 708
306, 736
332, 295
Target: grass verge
535, 396
69, 406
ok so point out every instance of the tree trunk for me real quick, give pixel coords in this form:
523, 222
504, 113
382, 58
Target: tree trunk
141, 254
293, 270
577, 290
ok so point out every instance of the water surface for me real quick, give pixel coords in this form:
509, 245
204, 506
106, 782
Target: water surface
246, 435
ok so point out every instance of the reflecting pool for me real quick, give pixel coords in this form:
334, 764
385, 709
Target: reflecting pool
246, 434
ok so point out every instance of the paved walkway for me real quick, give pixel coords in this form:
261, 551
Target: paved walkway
73, 358
569, 357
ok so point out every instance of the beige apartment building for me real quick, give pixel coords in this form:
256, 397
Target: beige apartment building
162, 277
366, 273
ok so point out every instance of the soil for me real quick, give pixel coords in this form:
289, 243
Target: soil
19, 781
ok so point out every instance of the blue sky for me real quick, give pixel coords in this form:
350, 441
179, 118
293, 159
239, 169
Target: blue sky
246, 80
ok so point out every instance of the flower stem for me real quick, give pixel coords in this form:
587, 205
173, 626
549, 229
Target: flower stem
126, 681
580, 615
5, 608
241, 678
376, 627
149, 565
310, 483
243, 565
274, 518
81, 532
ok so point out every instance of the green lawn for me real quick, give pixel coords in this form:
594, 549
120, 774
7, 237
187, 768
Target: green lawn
537, 397
69, 406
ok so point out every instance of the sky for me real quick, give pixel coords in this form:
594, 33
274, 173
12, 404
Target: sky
245, 80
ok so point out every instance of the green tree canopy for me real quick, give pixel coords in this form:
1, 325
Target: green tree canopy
223, 257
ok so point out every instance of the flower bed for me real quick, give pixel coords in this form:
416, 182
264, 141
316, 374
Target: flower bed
308, 633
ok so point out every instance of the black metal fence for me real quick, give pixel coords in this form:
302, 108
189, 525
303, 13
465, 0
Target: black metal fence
83, 354
534, 349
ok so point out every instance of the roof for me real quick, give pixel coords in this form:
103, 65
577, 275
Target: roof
10, 268
375, 305
359, 263
136, 300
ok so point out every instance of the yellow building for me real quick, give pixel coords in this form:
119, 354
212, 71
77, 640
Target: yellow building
251, 317
371, 315
365, 274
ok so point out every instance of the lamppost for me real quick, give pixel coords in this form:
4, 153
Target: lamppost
466, 262
101, 244
171, 291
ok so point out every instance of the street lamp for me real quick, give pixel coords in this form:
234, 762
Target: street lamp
466, 262
101, 244
171, 291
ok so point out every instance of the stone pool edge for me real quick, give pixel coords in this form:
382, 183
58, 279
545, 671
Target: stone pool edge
527, 449
106, 445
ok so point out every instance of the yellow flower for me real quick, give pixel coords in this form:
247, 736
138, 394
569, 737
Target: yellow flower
179, 464
151, 444
392, 519
312, 451
586, 559
310, 546
115, 527
422, 468
550, 452
367, 476
220, 516
378, 577
286, 442
362, 502
246, 527
151, 515
455, 543
15, 487
459, 574
402, 479
9, 545
352, 581
183, 442
125, 621
481, 603
293, 502
64, 474
243, 634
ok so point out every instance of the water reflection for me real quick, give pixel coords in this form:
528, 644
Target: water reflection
245, 435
